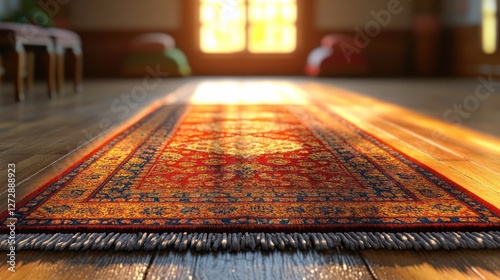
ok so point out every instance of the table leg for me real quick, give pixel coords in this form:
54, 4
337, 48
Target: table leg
30, 69
20, 64
51, 73
78, 74
60, 71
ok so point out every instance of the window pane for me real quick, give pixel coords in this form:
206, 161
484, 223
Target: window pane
489, 26
272, 26
272, 39
222, 26
215, 39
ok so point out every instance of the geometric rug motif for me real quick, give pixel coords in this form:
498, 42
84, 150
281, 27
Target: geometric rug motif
250, 168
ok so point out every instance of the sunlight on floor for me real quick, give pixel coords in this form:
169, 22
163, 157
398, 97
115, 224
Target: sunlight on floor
228, 92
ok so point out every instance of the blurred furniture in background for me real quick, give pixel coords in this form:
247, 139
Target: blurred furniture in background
154, 51
65, 40
336, 58
23, 40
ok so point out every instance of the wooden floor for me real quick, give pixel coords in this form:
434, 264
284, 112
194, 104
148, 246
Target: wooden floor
42, 137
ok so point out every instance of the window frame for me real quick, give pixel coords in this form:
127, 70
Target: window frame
497, 35
245, 53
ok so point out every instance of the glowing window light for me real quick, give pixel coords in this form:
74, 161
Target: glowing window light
259, 26
223, 25
272, 26
489, 26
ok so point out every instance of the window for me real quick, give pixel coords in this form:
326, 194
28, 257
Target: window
255, 26
489, 26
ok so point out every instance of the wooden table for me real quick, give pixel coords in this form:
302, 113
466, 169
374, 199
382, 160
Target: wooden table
21, 38
65, 40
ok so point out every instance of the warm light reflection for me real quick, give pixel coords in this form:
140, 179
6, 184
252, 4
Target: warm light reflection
271, 26
486, 143
240, 93
489, 26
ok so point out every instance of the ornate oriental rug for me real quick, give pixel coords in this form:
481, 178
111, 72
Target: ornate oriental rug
238, 177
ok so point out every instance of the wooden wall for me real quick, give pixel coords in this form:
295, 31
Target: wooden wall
463, 49
465, 55
389, 53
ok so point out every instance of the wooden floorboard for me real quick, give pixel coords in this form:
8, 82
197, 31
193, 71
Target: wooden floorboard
462, 264
44, 137
373, 116
41, 131
332, 264
70, 265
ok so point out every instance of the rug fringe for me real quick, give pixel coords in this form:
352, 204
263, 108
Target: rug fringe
253, 241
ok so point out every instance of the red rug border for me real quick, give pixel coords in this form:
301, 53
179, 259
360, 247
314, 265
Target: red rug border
394, 228
469, 227
474, 196
119, 130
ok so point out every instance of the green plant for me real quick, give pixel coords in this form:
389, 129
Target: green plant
32, 13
